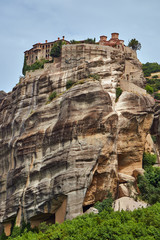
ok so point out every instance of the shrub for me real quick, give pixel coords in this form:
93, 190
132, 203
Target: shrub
90, 41
37, 65
148, 160
154, 138
155, 76
52, 96
149, 89
157, 96
106, 204
56, 49
94, 76
118, 92
149, 68
149, 184
69, 84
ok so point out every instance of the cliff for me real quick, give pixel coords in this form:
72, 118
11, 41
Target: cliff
58, 158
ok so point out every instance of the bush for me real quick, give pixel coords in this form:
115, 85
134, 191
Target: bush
155, 76
106, 204
69, 84
34, 66
94, 76
142, 224
157, 96
149, 89
90, 41
118, 92
52, 96
56, 49
149, 68
149, 184
148, 160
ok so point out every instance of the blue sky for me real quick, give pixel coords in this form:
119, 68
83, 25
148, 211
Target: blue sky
25, 22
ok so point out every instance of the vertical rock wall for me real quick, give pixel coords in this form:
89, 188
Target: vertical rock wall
59, 157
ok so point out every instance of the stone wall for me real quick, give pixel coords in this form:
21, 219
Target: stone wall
77, 54
131, 87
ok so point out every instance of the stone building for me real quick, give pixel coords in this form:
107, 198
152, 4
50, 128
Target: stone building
113, 42
40, 51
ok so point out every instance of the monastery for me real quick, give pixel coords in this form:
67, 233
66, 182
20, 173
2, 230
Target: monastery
42, 50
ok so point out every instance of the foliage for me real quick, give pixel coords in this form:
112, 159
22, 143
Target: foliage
74, 42
69, 84
148, 160
90, 41
37, 65
149, 68
106, 204
155, 76
24, 69
154, 138
149, 89
142, 224
94, 76
3, 236
134, 44
149, 184
118, 92
52, 96
157, 96
57, 48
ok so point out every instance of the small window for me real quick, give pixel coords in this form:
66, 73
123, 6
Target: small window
43, 46
46, 55
36, 57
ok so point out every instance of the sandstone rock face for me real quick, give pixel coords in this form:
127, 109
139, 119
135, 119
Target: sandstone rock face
126, 203
60, 156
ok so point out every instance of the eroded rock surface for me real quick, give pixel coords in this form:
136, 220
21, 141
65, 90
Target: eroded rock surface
57, 158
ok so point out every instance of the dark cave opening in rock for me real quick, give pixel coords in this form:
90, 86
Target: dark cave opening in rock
42, 217
85, 208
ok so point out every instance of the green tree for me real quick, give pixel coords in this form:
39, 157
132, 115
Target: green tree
134, 44
56, 49
24, 69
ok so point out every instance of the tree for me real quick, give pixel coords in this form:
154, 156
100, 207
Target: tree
134, 44
56, 49
24, 69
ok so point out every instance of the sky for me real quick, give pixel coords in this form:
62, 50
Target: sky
26, 22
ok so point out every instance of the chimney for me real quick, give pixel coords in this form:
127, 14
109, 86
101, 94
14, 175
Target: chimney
63, 37
58, 38
115, 35
103, 38
46, 41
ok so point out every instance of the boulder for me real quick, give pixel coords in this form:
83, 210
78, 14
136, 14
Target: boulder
92, 210
123, 178
138, 171
126, 203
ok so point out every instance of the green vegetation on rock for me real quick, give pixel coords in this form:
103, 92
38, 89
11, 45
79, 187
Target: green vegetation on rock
57, 48
37, 65
134, 44
69, 84
149, 184
142, 224
52, 96
118, 93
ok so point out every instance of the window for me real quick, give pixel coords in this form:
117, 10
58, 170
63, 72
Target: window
36, 57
